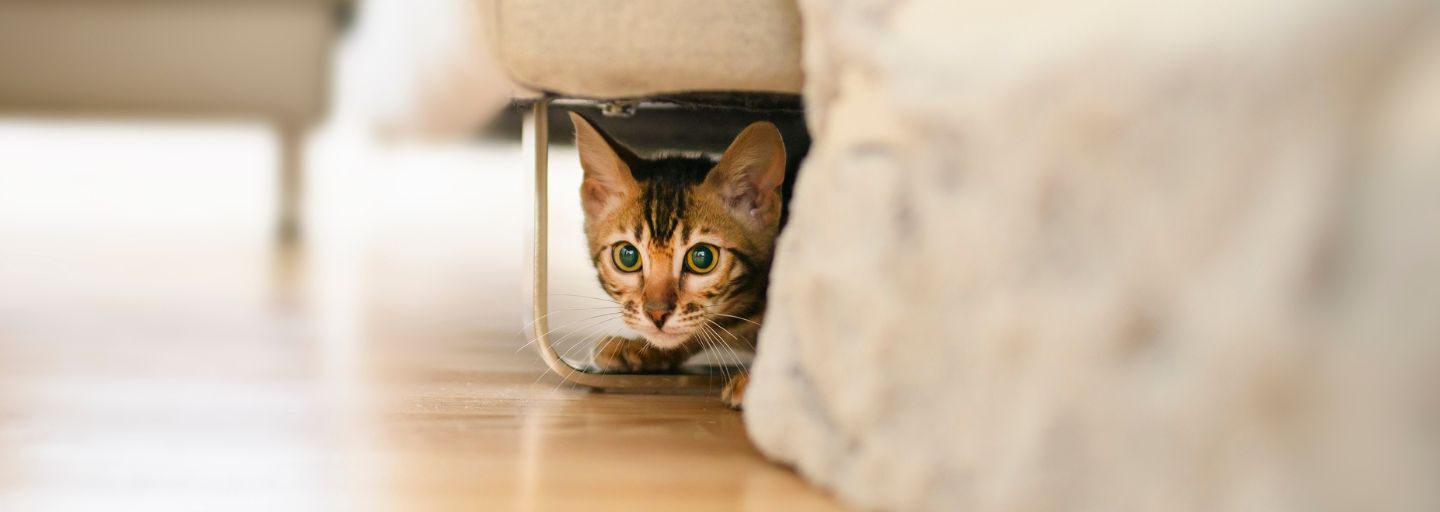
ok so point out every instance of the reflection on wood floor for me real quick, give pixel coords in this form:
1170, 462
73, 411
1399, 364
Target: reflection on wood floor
174, 364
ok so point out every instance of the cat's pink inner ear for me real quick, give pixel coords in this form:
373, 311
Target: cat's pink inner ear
750, 173
608, 180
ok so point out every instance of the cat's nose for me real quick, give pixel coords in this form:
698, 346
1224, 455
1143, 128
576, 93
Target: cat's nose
658, 312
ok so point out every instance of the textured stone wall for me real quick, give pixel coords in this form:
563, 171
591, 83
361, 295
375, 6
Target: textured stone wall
1132, 255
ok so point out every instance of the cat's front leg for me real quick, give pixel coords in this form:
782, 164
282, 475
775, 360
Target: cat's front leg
734, 393
615, 354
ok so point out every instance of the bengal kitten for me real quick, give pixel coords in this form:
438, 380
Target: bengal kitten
683, 244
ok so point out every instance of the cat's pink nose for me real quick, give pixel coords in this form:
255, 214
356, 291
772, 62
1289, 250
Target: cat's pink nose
658, 312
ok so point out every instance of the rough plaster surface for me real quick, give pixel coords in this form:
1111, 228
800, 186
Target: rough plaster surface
1132, 255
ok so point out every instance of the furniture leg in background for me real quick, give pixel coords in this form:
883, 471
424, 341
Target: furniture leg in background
212, 59
290, 184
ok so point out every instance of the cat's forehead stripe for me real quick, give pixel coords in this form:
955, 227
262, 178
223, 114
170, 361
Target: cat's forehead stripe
666, 184
664, 207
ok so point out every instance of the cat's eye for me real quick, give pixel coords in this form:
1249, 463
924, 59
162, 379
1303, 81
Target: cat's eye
701, 258
627, 257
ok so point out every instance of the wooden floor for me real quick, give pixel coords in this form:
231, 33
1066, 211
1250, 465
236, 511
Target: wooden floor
170, 370
207, 403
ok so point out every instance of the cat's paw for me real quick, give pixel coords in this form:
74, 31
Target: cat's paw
625, 355
734, 393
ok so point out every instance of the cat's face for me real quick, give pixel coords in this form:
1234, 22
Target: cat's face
683, 243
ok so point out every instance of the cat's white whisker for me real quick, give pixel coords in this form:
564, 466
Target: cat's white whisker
564, 355
734, 356
567, 324
558, 310
721, 346
579, 343
744, 341
598, 336
575, 321
710, 345
612, 301
581, 340
730, 316
583, 328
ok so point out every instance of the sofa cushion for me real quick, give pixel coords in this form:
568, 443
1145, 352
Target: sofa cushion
627, 48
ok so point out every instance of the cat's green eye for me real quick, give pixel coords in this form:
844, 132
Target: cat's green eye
627, 257
701, 259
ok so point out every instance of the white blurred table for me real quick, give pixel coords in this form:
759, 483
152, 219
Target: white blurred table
261, 59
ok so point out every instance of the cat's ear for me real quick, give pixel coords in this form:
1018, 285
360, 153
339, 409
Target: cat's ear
749, 175
608, 181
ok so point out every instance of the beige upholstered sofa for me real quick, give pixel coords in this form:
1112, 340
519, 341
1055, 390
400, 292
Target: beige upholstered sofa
625, 49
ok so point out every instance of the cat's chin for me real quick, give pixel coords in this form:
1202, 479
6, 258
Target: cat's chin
665, 340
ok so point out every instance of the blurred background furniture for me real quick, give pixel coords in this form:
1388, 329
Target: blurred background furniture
176, 58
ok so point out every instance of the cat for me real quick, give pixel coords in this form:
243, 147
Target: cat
683, 244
